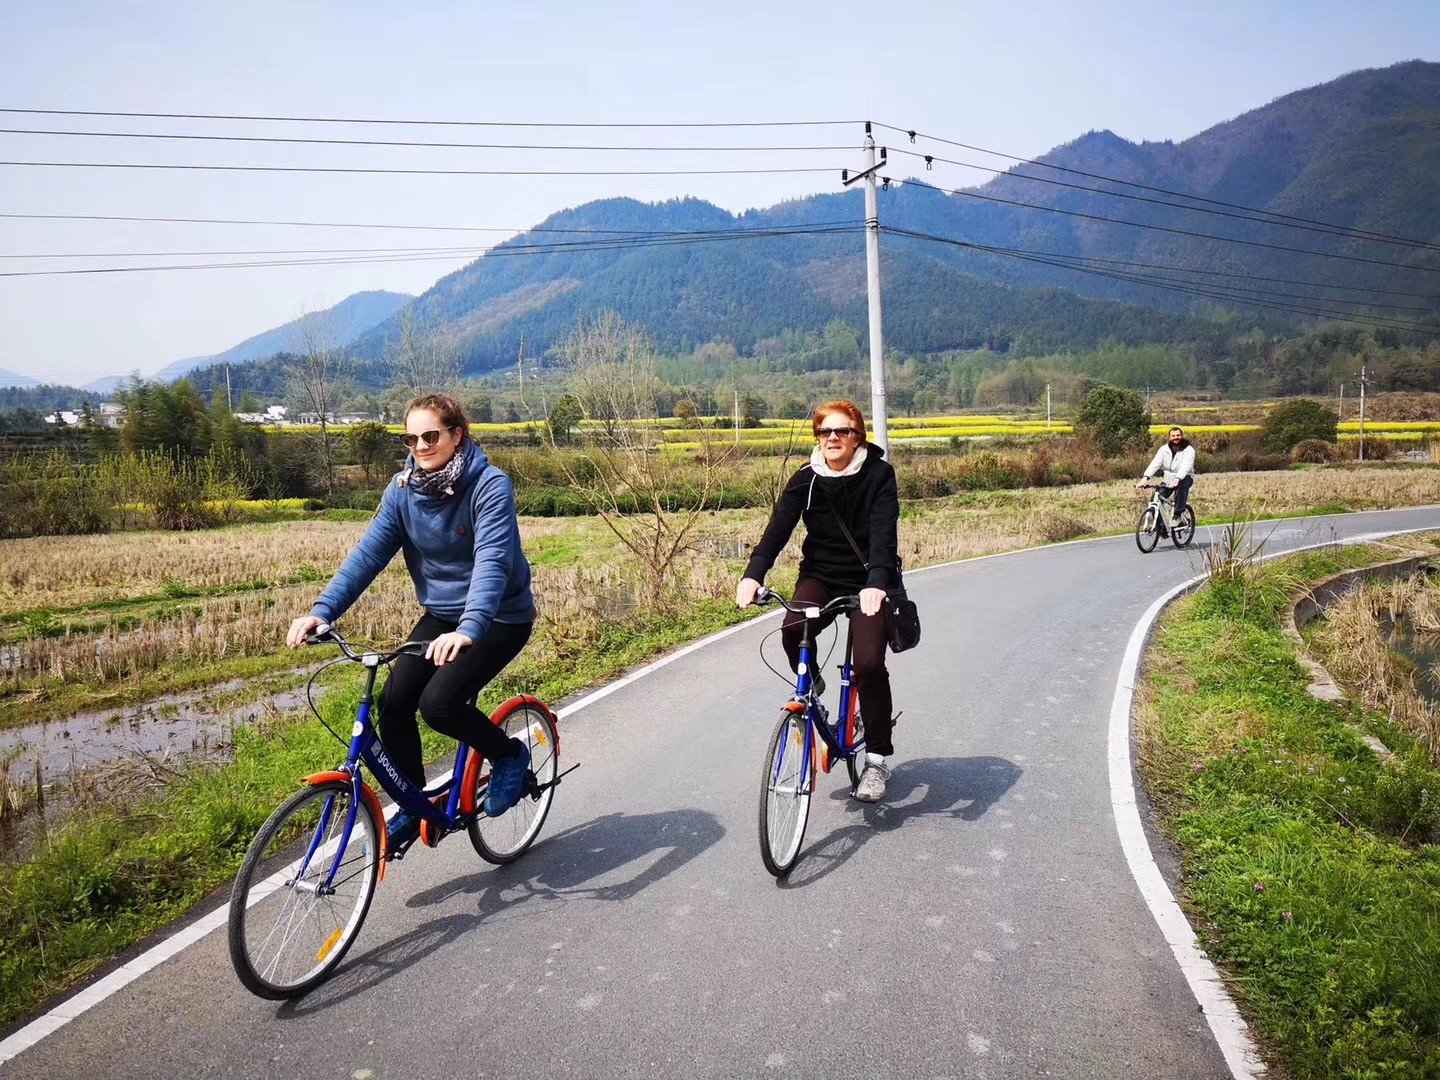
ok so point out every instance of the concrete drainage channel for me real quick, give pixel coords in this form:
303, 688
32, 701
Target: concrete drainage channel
1313, 602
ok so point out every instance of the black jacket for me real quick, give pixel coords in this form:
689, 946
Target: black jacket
870, 504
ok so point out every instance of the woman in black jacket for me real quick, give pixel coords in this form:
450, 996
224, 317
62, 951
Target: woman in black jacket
846, 479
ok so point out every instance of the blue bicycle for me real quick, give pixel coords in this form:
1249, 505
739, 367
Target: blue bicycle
292, 919
803, 738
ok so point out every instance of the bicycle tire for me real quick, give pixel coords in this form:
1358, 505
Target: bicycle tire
286, 835
503, 839
855, 738
1146, 533
1185, 526
785, 789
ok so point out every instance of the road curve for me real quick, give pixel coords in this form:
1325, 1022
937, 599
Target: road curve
982, 924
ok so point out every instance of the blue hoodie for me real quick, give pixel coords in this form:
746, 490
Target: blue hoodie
462, 550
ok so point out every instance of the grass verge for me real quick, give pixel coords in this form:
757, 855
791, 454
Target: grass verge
1302, 866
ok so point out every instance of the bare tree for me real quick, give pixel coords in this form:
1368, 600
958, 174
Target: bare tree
649, 496
317, 376
422, 361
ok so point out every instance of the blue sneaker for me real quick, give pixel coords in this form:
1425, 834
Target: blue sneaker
402, 829
507, 780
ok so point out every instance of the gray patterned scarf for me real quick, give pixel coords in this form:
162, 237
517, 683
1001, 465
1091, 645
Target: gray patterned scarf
441, 481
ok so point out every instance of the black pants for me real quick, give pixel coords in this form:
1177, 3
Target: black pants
871, 677
1182, 494
442, 695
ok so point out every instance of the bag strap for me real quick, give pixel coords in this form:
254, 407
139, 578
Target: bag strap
850, 539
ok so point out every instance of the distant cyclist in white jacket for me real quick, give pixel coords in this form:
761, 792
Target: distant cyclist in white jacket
1176, 459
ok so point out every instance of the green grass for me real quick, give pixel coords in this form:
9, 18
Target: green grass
106, 880
1302, 864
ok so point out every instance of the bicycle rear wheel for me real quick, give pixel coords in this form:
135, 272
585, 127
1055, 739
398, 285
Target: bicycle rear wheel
785, 791
505, 838
855, 740
1183, 531
302, 895
1147, 532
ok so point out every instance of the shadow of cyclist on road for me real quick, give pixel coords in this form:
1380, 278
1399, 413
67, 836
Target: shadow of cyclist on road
611, 858
963, 789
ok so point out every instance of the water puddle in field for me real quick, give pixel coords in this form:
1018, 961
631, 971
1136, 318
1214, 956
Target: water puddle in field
725, 547
1421, 648
114, 753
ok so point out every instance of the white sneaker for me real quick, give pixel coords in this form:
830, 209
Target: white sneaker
871, 787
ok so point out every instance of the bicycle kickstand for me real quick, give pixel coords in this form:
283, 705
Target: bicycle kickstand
540, 789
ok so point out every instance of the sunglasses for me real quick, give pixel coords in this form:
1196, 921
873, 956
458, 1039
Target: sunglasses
429, 438
839, 432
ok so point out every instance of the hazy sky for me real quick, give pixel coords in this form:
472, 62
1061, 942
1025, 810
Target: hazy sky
1018, 76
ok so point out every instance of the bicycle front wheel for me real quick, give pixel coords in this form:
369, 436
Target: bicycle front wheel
855, 740
1147, 532
1183, 531
785, 794
505, 838
303, 890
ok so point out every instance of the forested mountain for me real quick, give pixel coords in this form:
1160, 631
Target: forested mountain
1360, 152
334, 327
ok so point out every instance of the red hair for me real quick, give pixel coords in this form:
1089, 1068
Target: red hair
845, 408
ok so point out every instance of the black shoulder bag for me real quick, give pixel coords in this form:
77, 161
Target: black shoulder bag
902, 618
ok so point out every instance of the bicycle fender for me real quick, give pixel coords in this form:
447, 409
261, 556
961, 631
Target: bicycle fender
519, 701
370, 798
793, 707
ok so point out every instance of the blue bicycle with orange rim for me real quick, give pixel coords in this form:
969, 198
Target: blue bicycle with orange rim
305, 886
804, 738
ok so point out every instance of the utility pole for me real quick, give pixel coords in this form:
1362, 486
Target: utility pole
1048, 413
1340, 413
1362, 412
520, 368
229, 404
737, 415
879, 424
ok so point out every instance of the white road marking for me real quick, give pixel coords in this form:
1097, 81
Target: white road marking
1226, 1023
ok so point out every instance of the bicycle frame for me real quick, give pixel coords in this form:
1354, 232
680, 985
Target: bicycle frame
805, 701
366, 747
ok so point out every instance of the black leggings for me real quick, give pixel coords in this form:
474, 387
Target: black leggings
871, 677
443, 695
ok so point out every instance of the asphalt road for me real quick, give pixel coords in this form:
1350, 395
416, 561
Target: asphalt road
983, 923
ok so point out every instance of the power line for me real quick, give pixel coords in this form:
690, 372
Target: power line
1434, 299
401, 172
1370, 233
435, 123
1327, 230
517, 229
194, 254
1170, 229
423, 144
1227, 294
512, 250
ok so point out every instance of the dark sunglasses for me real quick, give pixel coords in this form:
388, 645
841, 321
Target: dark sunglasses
429, 438
839, 432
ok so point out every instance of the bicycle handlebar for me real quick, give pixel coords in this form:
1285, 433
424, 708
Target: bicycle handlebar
809, 611
325, 634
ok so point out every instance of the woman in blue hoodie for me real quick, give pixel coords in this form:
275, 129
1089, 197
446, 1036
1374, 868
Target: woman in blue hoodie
453, 515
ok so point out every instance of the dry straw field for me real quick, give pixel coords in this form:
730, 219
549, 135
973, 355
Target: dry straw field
90, 621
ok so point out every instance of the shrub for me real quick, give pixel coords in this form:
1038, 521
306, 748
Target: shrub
1294, 422
1313, 451
1112, 417
1054, 528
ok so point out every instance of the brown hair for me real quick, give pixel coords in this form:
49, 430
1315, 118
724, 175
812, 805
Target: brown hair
845, 408
450, 411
